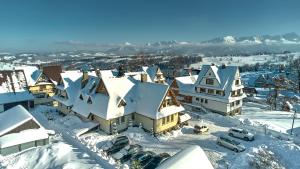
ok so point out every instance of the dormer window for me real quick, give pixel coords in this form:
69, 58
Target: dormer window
80, 97
210, 81
122, 103
89, 101
237, 82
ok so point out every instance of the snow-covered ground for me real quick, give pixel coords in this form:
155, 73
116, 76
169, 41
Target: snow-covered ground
69, 149
242, 60
276, 120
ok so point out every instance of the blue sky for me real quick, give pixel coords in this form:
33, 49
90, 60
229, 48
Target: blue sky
47, 24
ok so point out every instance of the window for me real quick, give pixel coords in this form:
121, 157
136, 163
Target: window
233, 93
202, 90
210, 91
89, 101
163, 121
201, 100
210, 81
237, 82
197, 98
196, 89
232, 104
80, 97
123, 119
168, 119
238, 102
239, 91
218, 92
206, 101
172, 117
132, 116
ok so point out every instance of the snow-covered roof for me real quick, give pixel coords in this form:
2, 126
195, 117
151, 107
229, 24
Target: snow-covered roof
13, 87
32, 74
225, 75
141, 97
151, 71
192, 157
24, 136
186, 83
14, 117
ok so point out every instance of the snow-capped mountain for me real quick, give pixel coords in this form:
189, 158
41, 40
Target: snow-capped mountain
289, 38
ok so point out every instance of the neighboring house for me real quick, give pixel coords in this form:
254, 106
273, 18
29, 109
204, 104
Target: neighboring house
117, 102
42, 81
217, 89
13, 90
154, 74
264, 81
192, 157
19, 130
182, 86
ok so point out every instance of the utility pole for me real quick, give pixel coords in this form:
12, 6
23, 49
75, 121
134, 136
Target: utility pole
294, 116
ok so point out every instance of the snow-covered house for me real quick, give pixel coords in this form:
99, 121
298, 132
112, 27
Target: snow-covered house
42, 81
118, 102
217, 89
192, 157
19, 130
148, 74
13, 90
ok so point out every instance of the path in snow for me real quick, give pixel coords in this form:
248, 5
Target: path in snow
67, 136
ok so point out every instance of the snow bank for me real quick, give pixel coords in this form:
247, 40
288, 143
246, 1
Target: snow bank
58, 155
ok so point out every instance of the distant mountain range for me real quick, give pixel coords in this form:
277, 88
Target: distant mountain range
218, 46
289, 38
227, 45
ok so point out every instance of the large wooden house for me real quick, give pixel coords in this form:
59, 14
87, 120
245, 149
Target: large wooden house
216, 89
42, 81
118, 102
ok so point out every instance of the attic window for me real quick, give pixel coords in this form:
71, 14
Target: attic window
80, 97
89, 101
210, 81
122, 103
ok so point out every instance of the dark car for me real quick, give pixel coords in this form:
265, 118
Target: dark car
156, 161
126, 154
143, 157
116, 145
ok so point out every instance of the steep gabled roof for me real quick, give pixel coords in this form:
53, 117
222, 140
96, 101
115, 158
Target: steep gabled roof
225, 76
14, 118
53, 72
13, 86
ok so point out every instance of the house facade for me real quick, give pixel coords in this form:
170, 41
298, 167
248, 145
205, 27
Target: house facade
13, 90
42, 81
118, 102
217, 89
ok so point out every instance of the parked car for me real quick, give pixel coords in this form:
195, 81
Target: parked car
230, 144
116, 145
157, 160
143, 157
200, 129
241, 134
126, 153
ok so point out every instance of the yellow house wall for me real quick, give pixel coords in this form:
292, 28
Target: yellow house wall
147, 122
159, 127
104, 124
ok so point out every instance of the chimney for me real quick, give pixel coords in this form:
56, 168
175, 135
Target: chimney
212, 64
143, 77
98, 72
